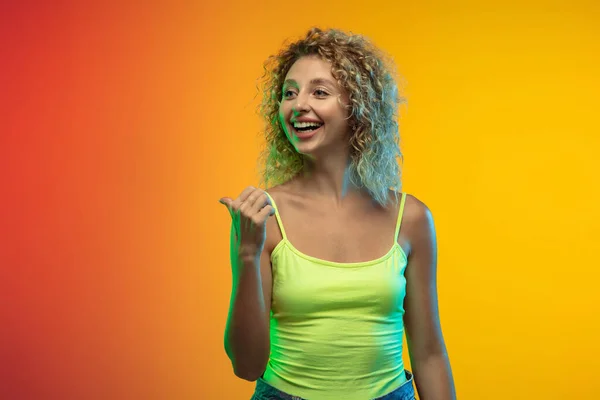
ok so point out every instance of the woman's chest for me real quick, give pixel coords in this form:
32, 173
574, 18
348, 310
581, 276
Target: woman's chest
342, 237
303, 287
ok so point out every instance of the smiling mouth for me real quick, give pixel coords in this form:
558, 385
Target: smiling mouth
307, 133
306, 128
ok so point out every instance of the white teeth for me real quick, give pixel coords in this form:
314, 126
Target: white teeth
307, 124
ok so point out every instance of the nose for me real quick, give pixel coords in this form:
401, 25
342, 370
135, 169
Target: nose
301, 105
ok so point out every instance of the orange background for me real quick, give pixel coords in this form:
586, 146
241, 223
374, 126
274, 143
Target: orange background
121, 126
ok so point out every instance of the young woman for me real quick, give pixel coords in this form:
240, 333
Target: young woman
323, 293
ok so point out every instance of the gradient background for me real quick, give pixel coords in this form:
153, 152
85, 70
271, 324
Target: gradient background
123, 123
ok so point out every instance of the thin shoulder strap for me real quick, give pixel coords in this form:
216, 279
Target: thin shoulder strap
277, 216
400, 212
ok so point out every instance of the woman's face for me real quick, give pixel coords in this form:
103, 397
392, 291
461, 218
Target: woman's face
311, 110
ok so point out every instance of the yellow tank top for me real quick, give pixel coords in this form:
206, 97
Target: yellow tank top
336, 328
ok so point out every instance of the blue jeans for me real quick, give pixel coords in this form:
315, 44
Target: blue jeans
264, 391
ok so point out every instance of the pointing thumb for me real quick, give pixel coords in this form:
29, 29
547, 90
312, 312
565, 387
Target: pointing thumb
226, 201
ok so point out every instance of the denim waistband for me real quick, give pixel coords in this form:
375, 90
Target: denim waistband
264, 391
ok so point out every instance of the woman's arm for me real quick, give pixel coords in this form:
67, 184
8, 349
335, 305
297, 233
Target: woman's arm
247, 342
428, 355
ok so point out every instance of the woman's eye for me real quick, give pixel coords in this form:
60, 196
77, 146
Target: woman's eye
288, 93
320, 92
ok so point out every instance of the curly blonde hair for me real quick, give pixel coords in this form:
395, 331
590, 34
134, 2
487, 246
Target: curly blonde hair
366, 73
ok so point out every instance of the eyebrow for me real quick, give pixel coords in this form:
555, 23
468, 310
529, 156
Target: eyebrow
315, 81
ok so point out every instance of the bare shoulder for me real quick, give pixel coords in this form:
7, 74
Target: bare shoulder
283, 193
275, 191
278, 193
274, 236
417, 223
415, 210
